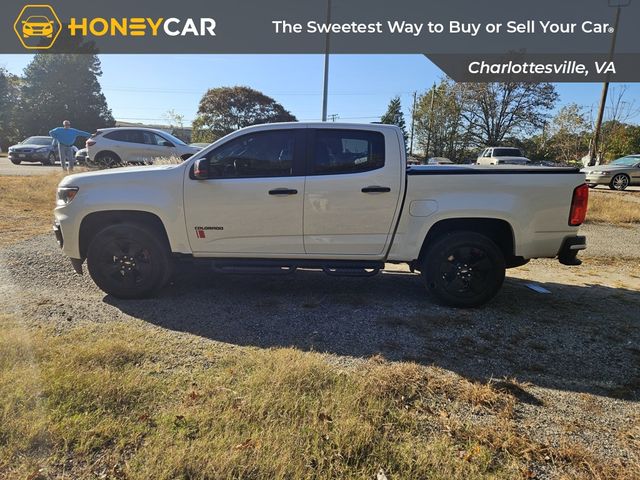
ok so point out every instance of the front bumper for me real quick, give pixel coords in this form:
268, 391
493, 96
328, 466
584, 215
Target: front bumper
57, 231
598, 179
568, 254
28, 157
75, 262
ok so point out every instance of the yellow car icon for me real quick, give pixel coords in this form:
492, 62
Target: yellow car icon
37, 26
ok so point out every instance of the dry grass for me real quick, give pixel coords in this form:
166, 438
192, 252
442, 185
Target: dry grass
27, 206
614, 208
116, 401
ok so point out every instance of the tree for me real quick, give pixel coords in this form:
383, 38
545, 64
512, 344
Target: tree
176, 122
225, 109
394, 116
495, 111
617, 137
569, 134
9, 101
621, 139
440, 127
59, 87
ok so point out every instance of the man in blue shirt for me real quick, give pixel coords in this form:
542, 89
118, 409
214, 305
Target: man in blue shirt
65, 137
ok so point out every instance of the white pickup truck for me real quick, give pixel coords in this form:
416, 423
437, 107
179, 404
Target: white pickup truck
332, 197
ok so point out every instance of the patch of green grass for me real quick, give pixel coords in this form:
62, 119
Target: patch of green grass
126, 402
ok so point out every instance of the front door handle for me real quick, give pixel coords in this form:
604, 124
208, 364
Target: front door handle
283, 191
375, 189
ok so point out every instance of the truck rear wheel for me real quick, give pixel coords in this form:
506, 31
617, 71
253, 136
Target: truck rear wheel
463, 269
128, 261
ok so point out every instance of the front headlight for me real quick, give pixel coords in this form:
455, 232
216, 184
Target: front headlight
601, 173
66, 195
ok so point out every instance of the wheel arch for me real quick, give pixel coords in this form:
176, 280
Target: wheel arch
622, 174
498, 230
101, 153
97, 221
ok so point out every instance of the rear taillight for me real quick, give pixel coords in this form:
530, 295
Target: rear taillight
90, 143
579, 205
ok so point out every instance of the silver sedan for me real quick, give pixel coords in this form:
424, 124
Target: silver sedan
618, 175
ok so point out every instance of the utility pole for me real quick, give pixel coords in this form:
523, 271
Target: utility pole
433, 94
326, 67
593, 150
334, 116
413, 122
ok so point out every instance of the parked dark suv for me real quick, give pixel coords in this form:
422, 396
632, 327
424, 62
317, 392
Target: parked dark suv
34, 149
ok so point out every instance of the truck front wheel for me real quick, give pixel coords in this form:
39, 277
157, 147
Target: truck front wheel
463, 269
128, 261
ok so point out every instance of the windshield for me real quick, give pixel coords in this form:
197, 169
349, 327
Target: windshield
173, 139
506, 152
628, 161
38, 141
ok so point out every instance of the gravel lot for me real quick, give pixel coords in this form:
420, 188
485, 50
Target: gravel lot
26, 168
612, 241
575, 352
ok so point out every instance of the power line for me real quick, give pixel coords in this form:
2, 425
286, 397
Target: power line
280, 94
301, 120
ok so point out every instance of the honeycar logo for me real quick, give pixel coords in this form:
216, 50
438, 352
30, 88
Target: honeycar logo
141, 27
37, 27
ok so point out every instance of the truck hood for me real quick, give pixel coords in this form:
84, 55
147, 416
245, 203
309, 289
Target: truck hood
117, 175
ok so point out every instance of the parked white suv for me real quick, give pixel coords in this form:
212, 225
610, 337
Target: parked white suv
502, 156
113, 147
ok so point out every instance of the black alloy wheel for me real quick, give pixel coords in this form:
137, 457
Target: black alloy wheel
129, 261
464, 269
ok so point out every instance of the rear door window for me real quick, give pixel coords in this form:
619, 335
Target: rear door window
129, 136
346, 151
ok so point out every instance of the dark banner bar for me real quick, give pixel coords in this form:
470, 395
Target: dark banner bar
544, 40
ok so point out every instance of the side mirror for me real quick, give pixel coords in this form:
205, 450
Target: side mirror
167, 144
201, 169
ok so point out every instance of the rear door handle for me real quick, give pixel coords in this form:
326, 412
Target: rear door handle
283, 191
375, 189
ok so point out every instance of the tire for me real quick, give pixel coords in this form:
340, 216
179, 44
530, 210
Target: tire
16, 162
129, 261
619, 182
51, 159
463, 269
592, 185
107, 160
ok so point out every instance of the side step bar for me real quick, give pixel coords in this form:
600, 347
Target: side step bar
342, 268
